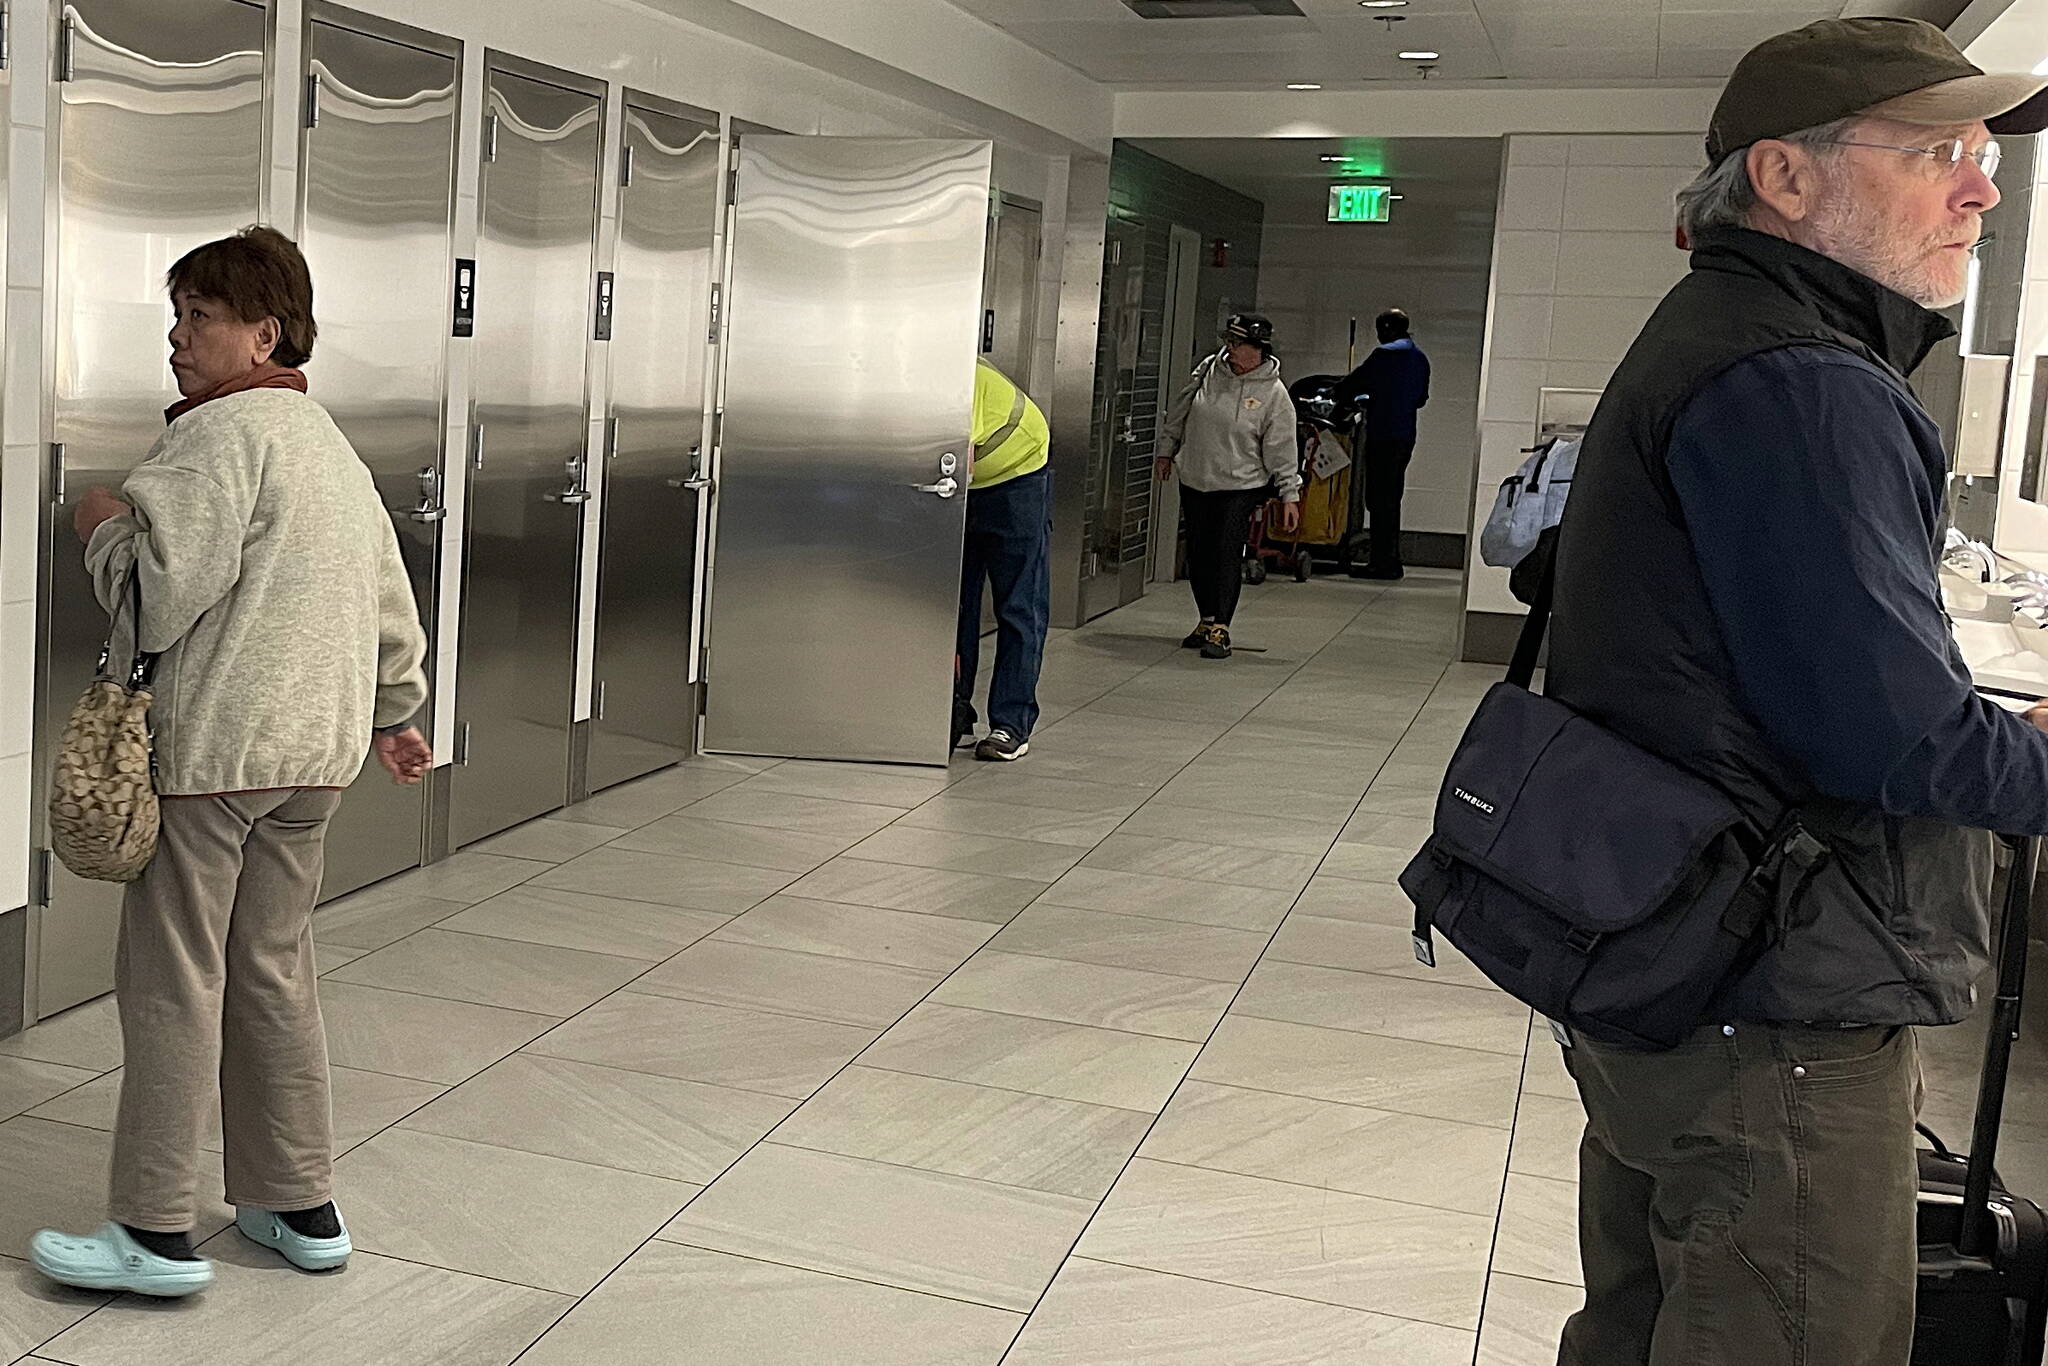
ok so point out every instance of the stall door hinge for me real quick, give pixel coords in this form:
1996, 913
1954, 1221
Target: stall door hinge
490, 137
732, 177
67, 45
6, 36
476, 446
597, 702
313, 100
717, 311
626, 165
43, 876
57, 473
462, 743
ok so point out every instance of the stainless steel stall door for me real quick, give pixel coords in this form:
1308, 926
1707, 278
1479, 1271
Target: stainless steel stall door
655, 481
378, 174
1010, 330
856, 302
160, 137
1120, 466
514, 691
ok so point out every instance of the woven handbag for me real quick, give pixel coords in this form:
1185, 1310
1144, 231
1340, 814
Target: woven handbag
103, 803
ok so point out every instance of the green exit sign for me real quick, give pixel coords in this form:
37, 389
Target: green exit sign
1360, 203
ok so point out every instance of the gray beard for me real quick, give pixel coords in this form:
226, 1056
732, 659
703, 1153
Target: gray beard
1868, 242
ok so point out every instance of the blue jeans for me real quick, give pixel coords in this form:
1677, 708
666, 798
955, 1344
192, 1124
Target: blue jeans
1009, 543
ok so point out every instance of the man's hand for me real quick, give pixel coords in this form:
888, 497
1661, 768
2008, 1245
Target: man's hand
406, 756
98, 505
2038, 714
1162, 468
1290, 518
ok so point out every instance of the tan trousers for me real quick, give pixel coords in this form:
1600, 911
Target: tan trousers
1748, 1199
215, 978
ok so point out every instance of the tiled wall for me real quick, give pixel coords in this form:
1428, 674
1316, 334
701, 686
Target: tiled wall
1582, 253
21, 451
1315, 279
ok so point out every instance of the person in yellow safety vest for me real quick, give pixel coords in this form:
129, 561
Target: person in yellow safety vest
1009, 544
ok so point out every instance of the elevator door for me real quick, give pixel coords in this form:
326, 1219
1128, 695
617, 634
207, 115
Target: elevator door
527, 484
856, 305
378, 175
160, 148
644, 713
1009, 329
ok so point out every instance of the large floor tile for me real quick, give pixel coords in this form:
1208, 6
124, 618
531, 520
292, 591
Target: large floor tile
1009, 1137
1523, 1320
86, 1037
1358, 946
789, 811
1336, 1147
380, 1312
1012, 820
468, 877
1332, 897
1097, 1314
1084, 993
1074, 1062
380, 915
364, 1104
34, 1310
842, 990
1547, 1134
606, 1116
549, 840
689, 1040
1333, 998
591, 924
421, 1037
635, 804
1353, 1250
875, 784
1129, 941
1203, 862
493, 972
1171, 898
1004, 784
1032, 860
757, 846
935, 943
1539, 1230
927, 891
25, 1083
55, 1176
1304, 832
514, 1216
697, 884
1367, 862
674, 1303
945, 1235
1375, 1070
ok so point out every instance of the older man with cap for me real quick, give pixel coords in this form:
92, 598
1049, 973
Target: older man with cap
1745, 585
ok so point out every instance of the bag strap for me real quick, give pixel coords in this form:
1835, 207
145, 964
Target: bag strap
1978, 1229
1529, 648
142, 665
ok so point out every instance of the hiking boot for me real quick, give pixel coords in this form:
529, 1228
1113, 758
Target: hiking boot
1215, 642
1002, 747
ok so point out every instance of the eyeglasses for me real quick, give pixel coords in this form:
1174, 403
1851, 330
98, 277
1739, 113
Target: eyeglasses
1943, 159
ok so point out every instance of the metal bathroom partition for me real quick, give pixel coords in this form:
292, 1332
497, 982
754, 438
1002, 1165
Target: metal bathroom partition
855, 312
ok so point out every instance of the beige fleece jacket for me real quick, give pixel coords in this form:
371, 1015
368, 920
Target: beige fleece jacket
272, 585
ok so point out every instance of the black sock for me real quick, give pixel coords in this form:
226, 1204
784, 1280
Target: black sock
323, 1222
175, 1246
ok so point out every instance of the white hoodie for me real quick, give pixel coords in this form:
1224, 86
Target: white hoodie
1232, 431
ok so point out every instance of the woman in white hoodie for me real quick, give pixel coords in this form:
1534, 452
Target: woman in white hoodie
1230, 434
273, 592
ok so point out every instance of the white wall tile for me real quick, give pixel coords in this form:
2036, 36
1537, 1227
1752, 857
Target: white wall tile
21, 424
1625, 264
14, 830
21, 510
28, 85
1537, 149
1521, 326
1630, 149
1596, 329
1579, 374
17, 677
1525, 262
1623, 198
1510, 392
1533, 197
24, 206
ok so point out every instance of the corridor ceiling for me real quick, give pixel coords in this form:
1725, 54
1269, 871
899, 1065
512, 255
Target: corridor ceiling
1341, 44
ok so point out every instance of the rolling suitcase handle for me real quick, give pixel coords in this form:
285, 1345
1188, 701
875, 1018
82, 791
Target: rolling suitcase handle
1976, 1235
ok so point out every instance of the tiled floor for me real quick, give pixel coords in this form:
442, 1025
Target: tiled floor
1116, 1056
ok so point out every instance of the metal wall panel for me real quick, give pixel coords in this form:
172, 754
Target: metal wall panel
857, 280
160, 130
1010, 329
378, 172
515, 690
656, 476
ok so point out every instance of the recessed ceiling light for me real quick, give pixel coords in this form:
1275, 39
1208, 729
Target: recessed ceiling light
1336, 158
1384, 4
1304, 85
1420, 56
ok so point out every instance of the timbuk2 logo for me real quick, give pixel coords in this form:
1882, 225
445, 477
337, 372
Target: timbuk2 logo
1480, 804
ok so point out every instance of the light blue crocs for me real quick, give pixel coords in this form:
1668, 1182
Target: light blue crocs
111, 1260
265, 1229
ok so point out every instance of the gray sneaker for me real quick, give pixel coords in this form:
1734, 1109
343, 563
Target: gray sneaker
1002, 747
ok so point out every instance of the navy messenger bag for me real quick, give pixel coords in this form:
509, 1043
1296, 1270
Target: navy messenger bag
1609, 889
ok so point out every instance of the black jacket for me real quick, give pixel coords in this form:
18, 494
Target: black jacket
1893, 929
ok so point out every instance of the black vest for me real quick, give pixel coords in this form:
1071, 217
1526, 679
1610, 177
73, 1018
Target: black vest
1893, 930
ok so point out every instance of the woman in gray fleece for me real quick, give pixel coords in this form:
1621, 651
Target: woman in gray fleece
290, 646
1230, 433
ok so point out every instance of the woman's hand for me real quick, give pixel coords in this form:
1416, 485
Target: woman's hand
1290, 518
99, 505
406, 756
1162, 468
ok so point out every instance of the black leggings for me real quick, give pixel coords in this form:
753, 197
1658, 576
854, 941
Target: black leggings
1218, 524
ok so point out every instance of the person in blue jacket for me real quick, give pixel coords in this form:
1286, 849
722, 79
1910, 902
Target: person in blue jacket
1393, 383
